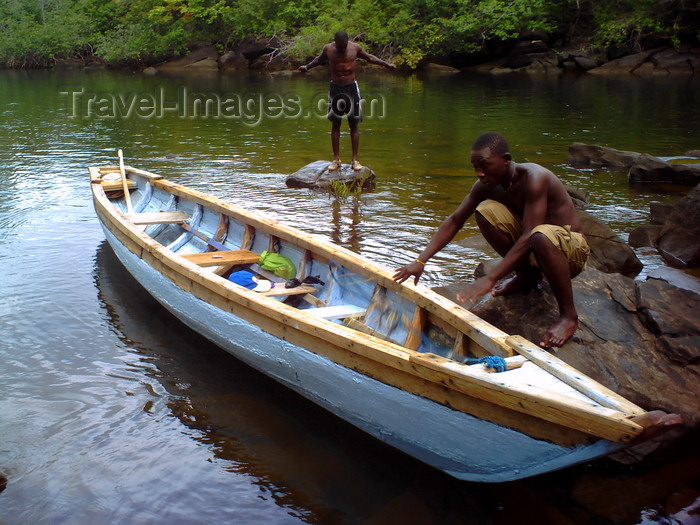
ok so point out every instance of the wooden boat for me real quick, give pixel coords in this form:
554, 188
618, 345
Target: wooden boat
386, 357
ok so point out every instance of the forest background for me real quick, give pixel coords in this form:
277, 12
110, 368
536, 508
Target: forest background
138, 33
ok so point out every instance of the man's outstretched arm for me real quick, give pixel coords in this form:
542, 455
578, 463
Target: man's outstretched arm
320, 59
374, 60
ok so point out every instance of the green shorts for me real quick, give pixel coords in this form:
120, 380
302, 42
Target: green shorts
571, 244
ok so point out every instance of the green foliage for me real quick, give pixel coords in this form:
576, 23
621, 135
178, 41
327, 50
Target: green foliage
627, 21
36, 32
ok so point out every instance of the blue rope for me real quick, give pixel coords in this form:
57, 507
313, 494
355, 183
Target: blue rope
491, 361
494, 361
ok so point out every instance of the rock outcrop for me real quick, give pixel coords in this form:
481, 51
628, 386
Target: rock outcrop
535, 56
594, 156
647, 168
679, 240
202, 59
642, 167
317, 176
655, 62
609, 253
674, 231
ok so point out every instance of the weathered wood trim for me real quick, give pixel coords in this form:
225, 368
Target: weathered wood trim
163, 217
573, 377
415, 330
230, 257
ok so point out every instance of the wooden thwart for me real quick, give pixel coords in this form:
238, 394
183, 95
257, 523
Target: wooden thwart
116, 185
230, 257
279, 289
336, 312
164, 217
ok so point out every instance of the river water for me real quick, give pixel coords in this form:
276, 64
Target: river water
113, 412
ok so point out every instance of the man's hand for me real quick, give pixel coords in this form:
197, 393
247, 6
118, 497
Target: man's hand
480, 287
303, 69
403, 273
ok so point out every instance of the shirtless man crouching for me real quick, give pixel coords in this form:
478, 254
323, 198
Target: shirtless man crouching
527, 216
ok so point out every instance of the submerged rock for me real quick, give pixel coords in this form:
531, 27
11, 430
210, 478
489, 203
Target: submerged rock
594, 156
317, 176
647, 168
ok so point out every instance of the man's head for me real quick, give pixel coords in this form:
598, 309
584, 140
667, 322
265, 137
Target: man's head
491, 158
341, 40
494, 141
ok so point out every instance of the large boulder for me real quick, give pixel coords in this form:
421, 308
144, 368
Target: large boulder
661, 61
644, 236
647, 168
317, 176
202, 59
609, 253
233, 61
594, 156
641, 339
679, 240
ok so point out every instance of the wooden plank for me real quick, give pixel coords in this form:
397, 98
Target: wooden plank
211, 241
116, 185
279, 289
313, 300
357, 324
415, 331
230, 257
336, 312
267, 274
222, 228
461, 345
143, 173
127, 194
248, 236
164, 217
550, 406
573, 377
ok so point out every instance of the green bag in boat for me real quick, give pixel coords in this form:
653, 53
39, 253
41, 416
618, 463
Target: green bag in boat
278, 264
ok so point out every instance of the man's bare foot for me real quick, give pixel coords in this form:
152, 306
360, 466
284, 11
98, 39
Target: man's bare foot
518, 282
559, 333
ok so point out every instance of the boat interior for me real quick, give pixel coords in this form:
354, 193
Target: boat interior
221, 244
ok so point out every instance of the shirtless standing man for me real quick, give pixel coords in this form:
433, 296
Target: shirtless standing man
344, 94
526, 215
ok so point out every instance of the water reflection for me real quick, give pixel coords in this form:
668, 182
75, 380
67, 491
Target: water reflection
353, 239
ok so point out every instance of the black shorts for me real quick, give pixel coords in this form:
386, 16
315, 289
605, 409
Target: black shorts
344, 100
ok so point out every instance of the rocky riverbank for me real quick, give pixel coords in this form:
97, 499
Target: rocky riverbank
532, 53
640, 338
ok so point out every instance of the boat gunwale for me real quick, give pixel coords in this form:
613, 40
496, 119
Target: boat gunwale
616, 423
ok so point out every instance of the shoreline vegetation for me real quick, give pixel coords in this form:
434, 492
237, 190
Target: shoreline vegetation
530, 35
